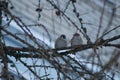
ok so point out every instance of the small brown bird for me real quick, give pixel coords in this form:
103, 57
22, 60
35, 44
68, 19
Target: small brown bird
61, 42
76, 40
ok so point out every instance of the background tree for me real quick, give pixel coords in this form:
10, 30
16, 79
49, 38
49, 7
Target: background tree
29, 29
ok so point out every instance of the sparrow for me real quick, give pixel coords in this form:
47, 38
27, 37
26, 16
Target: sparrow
61, 42
76, 40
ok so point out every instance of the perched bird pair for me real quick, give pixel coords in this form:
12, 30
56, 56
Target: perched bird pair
61, 41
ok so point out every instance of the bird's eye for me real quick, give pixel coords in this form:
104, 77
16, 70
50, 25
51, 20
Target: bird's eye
63, 36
